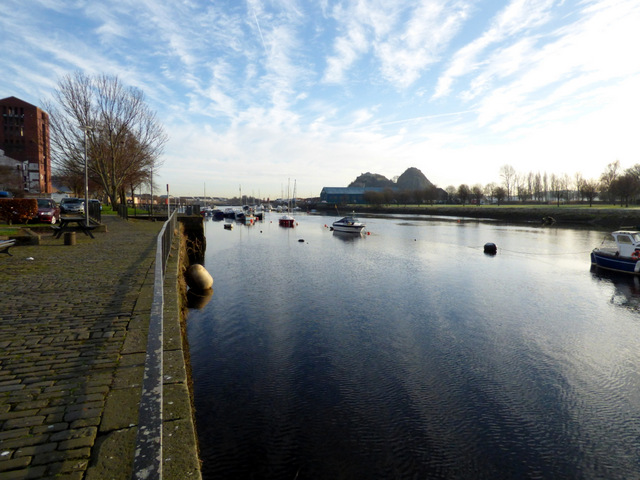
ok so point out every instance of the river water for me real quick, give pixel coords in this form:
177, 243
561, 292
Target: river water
409, 353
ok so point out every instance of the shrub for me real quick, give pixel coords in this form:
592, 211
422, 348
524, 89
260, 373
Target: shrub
18, 210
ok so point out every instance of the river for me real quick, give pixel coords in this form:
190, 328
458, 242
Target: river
409, 353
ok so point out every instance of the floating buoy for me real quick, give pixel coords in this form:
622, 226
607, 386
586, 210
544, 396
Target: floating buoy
490, 248
301, 240
198, 278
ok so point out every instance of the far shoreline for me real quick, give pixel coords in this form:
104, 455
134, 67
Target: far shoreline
597, 216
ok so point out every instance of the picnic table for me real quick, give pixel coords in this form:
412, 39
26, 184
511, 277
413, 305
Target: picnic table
73, 224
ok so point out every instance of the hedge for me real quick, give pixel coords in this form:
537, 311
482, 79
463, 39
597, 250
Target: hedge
18, 210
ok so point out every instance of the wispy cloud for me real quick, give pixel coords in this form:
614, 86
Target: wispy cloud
517, 17
323, 91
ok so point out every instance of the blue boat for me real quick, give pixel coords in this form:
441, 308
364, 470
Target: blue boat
619, 252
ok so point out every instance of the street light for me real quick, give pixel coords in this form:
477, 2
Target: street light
85, 129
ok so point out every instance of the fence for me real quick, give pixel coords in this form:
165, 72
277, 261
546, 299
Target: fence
147, 462
95, 211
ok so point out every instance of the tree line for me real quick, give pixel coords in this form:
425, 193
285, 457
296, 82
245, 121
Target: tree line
614, 186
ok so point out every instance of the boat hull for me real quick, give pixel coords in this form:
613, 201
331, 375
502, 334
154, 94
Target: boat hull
287, 223
348, 228
615, 263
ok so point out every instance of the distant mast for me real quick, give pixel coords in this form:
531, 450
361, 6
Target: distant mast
294, 192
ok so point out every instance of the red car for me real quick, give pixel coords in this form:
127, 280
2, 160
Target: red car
48, 211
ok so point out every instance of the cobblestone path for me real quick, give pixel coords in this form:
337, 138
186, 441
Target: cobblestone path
64, 316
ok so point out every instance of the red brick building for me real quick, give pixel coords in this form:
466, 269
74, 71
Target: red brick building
24, 136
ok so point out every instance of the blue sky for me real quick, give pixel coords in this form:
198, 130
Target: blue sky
254, 93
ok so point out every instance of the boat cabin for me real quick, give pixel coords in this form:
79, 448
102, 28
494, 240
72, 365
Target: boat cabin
626, 241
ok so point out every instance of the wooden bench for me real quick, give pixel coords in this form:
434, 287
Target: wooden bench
5, 245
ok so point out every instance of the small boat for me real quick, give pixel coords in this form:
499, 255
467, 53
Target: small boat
287, 221
348, 224
619, 252
229, 213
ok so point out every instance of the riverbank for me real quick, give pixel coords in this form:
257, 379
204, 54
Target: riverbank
605, 217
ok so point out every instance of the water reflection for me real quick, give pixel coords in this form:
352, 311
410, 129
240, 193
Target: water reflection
626, 288
198, 300
411, 354
347, 236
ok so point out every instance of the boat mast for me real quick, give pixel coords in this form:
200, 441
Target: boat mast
294, 193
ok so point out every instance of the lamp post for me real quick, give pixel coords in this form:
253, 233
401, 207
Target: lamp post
85, 129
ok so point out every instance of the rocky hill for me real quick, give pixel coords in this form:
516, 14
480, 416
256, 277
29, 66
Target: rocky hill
372, 180
411, 179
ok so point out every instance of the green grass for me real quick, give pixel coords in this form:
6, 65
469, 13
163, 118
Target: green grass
517, 206
7, 231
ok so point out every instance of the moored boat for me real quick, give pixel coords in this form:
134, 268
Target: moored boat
287, 221
349, 225
619, 252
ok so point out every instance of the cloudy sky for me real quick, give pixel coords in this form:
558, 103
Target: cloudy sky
253, 93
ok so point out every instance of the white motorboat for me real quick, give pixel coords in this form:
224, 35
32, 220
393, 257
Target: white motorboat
348, 224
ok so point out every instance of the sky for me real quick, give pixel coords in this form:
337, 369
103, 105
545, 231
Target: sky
261, 96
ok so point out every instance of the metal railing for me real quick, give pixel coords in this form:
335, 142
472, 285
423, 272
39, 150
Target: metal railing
123, 211
147, 462
95, 212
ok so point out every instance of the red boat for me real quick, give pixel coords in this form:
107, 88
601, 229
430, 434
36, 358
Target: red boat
287, 221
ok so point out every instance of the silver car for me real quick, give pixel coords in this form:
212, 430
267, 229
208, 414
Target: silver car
72, 205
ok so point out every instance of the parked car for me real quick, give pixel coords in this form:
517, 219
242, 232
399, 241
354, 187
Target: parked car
72, 205
5, 194
95, 201
48, 211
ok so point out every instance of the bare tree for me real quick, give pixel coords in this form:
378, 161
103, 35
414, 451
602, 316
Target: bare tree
508, 174
478, 193
608, 177
538, 188
559, 186
625, 187
589, 190
489, 190
124, 137
464, 192
451, 193
579, 180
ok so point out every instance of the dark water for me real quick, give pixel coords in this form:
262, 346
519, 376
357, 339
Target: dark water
409, 353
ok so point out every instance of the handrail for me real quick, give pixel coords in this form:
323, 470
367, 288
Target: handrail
147, 461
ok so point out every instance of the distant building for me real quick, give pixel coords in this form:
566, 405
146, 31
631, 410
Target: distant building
13, 174
24, 136
344, 195
347, 194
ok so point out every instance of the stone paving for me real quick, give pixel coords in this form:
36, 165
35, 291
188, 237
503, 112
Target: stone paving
73, 327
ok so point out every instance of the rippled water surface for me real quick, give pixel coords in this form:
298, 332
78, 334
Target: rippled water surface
409, 353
